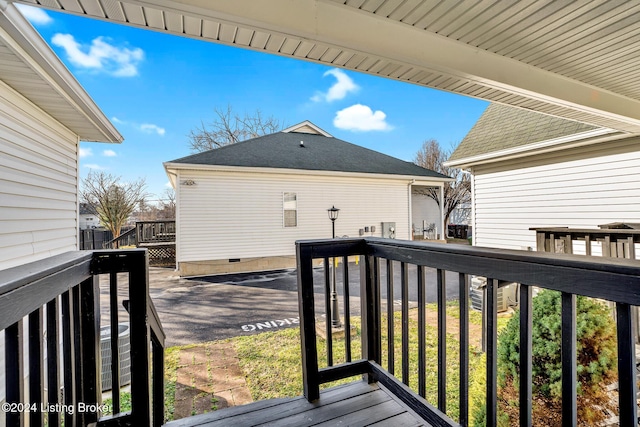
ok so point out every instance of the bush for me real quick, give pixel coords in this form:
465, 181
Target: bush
597, 362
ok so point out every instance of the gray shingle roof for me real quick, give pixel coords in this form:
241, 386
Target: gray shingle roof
501, 127
86, 209
282, 150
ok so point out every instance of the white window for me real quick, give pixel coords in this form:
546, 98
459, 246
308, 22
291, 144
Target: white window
290, 210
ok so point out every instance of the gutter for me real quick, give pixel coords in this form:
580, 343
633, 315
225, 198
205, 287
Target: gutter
27, 44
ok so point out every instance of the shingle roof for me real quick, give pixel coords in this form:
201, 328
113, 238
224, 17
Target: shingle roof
282, 150
86, 209
501, 127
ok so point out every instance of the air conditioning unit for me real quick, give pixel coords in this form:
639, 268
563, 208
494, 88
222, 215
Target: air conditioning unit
123, 354
507, 296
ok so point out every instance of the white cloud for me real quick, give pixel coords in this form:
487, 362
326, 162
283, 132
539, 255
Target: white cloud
144, 127
361, 118
168, 184
109, 153
34, 15
85, 152
100, 55
94, 166
151, 128
341, 88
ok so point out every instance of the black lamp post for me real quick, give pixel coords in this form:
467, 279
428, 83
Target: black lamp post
335, 316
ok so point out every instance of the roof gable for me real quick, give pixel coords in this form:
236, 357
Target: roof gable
307, 127
305, 151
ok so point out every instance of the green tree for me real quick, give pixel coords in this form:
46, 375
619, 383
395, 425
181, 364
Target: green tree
111, 199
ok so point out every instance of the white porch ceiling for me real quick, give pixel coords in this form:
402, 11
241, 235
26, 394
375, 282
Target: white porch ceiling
577, 60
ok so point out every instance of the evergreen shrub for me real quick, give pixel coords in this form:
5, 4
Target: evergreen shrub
597, 362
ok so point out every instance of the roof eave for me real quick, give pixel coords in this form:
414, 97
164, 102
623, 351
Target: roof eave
29, 47
171, 168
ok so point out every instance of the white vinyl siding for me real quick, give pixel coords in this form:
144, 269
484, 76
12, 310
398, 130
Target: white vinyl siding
582, 187
38, 183
424, 208
228, 215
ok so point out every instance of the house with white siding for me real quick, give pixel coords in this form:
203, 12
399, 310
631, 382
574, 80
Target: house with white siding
241, 207
534, 170
44, 113
87, 217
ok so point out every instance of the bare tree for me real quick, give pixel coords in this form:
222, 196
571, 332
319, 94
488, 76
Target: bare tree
167, 205
457, 192
229, 128
112, 200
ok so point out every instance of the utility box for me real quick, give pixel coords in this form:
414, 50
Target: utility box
389, 230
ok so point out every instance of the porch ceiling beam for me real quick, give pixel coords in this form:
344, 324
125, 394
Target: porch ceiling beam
358, 31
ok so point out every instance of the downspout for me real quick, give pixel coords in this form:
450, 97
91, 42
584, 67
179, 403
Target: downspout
77, 192
177, 219
443, 232
410, 198
473, 208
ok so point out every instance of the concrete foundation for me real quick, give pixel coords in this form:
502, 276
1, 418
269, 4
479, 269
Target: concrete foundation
243, 265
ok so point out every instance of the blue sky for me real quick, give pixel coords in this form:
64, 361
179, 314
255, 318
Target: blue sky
156, 87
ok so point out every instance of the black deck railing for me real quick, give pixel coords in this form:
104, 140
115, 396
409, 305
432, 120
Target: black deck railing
609, 279
60, 298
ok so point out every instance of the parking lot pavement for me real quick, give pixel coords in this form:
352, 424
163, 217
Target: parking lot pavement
216, 307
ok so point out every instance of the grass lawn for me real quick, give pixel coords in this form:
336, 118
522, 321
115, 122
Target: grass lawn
271, 363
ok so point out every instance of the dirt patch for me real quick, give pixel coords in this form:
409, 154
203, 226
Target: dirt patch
453, 326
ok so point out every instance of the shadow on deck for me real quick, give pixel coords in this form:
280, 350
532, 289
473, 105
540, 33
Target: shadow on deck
354, 404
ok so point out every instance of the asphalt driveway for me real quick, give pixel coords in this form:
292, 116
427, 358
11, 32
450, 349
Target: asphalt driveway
216, 307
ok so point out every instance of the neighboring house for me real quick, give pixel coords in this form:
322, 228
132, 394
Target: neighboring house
88, 218
45, 114
534, 170
241, 207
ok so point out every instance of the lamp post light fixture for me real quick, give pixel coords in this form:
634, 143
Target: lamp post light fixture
335, 316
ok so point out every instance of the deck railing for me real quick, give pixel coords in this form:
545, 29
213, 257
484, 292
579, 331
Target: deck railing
126, 239
155, 232
614, 243
145, 233
609, 279
60, 300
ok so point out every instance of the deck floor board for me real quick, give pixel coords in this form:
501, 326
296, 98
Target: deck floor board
354, 404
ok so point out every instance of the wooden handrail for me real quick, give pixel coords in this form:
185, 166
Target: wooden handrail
122, 237
614, 243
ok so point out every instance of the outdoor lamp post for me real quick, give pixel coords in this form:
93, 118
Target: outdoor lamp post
335, 316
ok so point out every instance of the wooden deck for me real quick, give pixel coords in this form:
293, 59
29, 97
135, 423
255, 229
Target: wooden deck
354, 404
